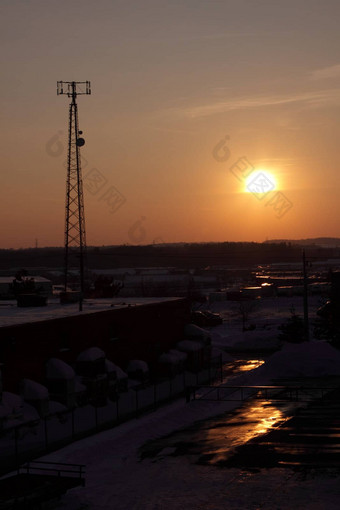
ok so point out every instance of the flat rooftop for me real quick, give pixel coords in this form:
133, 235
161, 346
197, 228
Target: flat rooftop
36, 279
11, 314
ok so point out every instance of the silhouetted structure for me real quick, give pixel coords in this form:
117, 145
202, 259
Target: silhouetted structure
75, 218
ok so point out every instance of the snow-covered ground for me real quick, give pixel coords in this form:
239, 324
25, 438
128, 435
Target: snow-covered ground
265, 314
117, 478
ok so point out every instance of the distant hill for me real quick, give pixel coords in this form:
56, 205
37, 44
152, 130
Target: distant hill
179, 255
323, 242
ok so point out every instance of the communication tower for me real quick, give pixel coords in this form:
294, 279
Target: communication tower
75, 237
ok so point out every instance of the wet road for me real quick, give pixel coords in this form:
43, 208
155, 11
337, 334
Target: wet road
261, 434
215, 441
310, 439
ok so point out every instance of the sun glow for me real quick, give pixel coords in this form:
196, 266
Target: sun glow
260, 181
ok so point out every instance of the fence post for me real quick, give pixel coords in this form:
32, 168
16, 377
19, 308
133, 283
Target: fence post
72, 418
16, 447
221, 367
46, 436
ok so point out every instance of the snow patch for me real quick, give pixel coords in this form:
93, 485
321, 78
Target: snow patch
307, 359
91, 354
31, 390
11, 404
56, 407
189, 346
110, 367
136, 365
193, 331
173, 357
58, 369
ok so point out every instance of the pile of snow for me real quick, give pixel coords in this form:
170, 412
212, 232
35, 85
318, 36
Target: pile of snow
29, 414
11, 404
220, 337
137, 365
173, 357
189, 346
111, 367
167, 358
58, 369
233, 338
56, 408
31, 390
307, 359
180, 355
195, 332
266, 341
14, 411
79, 386
226, 357
91, 354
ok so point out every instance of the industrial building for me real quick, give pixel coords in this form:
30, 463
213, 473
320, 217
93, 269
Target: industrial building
124, 329
41, 285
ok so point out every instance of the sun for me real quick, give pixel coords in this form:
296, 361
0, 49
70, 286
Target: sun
260, 181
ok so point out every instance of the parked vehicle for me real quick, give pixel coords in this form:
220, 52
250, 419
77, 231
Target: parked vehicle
204, 318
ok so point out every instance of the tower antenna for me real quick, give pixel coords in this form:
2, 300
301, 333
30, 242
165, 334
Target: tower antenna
75, 237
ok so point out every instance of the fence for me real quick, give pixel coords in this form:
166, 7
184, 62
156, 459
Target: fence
31, 439
37, 483
272, 393
59, 469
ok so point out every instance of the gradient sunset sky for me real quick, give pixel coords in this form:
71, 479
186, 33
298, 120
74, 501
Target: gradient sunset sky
170, 81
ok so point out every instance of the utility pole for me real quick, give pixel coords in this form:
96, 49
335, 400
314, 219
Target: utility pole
305, 298
75, 238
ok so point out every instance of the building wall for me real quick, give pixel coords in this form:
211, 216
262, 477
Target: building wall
134, 332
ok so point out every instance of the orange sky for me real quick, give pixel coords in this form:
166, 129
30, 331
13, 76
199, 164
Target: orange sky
169, 81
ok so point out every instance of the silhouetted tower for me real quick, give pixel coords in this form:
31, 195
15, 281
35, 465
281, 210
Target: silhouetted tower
75, 238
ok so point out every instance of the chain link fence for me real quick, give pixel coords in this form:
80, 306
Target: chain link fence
28, 440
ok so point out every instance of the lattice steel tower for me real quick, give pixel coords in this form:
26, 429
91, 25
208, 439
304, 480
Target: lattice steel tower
75, 237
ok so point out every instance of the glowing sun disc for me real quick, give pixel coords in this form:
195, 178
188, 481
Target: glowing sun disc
260, 181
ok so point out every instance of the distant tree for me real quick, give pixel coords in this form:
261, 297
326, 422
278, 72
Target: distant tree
106, 286
245, 309
23, 285
21, 274
327, 324
293, 329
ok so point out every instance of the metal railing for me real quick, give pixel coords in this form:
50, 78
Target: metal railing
273, 393
57, 468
